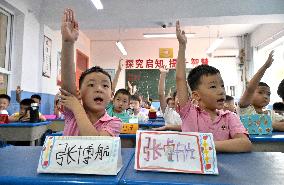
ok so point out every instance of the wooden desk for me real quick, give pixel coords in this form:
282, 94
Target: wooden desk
56, 125
244, 168
23, 131
268, 143
18, 165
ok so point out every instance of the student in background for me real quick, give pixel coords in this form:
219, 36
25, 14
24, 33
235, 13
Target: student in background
87, 116
35, 97
135, 105
278, 107
280, 90
24, 113
58, 112
119, 105
208, 89
4, 103
229, 104
257, 96
172, 118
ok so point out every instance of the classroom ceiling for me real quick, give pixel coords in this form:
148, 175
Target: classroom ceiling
129, 19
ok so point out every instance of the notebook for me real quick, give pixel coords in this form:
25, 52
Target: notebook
257, 124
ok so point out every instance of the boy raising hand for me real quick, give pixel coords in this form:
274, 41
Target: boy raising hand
88, 116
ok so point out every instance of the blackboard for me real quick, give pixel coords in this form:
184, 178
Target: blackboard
147, 80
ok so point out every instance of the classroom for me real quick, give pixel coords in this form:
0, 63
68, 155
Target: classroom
147, 52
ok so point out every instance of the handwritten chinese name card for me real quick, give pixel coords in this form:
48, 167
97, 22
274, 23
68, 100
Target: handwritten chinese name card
81, 154
185, 152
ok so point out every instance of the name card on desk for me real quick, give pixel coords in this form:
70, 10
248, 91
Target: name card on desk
129, 128
81, 154
185, 152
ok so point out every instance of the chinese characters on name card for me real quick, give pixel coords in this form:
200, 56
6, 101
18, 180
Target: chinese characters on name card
81, 154
186, 152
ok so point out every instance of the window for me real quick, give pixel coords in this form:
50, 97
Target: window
5, 45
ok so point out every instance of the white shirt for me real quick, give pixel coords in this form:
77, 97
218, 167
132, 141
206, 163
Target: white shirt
172, 117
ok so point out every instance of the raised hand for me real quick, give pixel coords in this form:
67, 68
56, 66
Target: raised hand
69, 101
164, 69
269, 60
69, 27
180, 34
120, 65
18, 90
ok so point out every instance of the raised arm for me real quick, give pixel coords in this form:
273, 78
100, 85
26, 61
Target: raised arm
182, 90
162, 98
117, 73
245, 100
70, 33
18, 94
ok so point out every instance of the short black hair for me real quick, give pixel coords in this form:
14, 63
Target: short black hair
263, 84
278, 106
169, 99
194, 76
135, 98
124, 92
27, 102
229, 98
280, 90
148, 103
95, 69
36, 96
5, 96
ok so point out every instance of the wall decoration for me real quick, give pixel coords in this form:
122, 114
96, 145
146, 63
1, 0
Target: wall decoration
46, 66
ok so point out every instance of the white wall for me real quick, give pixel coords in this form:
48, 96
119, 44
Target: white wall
264, 39
27, 50
106, 54
266, 34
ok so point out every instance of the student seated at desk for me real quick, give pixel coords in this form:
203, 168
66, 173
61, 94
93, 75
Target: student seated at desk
58, 112
4, 103
119, 105
257, 96
172, 118
278, 107
24, 114
280, 90
207, 88
84, 113
229, 104
135, 105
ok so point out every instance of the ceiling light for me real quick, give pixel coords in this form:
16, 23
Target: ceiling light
165, 35
215, 45
121, 48
98, 4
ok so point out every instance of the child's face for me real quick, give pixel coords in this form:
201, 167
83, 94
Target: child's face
4, 103
120, 102
261, 96
134, 104
95, 92
211, 92
171, 104
229, 105
23, 109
